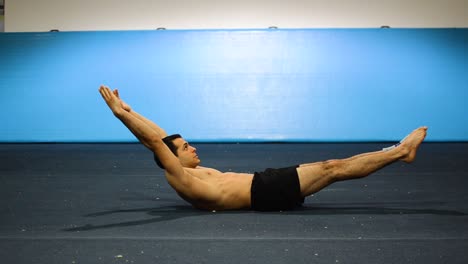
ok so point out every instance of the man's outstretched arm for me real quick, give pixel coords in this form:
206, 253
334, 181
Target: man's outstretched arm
150, 123
140, 129
146, 135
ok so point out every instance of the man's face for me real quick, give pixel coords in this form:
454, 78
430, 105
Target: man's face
187, 154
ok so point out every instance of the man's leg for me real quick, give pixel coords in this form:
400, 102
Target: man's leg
315, 176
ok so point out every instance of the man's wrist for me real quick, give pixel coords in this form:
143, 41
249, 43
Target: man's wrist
118, 112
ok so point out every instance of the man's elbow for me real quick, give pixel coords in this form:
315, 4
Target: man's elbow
155, 141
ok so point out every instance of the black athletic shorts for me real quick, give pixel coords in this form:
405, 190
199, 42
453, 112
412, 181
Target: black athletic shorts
276, 190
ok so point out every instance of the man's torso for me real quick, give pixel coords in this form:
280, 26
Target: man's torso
215, 190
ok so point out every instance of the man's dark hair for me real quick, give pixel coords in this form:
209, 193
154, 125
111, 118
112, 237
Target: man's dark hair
170, 144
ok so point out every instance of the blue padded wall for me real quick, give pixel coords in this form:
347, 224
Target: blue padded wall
237, 85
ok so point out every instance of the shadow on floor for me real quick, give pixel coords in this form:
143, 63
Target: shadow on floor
168, 213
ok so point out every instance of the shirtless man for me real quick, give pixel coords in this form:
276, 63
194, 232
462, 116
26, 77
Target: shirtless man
273, 189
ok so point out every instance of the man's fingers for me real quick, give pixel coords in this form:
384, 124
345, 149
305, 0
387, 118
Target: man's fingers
101, 90
105, 92
116, 92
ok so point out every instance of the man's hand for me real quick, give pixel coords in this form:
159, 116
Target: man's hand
124, 105
112, 101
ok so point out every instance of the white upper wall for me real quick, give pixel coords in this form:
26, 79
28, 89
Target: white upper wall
84, 15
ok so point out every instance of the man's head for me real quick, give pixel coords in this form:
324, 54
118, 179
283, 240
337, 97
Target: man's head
181, 149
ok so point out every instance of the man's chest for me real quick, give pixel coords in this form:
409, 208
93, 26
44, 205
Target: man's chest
205, 174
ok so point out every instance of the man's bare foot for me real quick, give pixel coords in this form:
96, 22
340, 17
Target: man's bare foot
124, 105
410, 145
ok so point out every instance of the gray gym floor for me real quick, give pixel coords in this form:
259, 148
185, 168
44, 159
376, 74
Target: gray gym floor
109, 203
